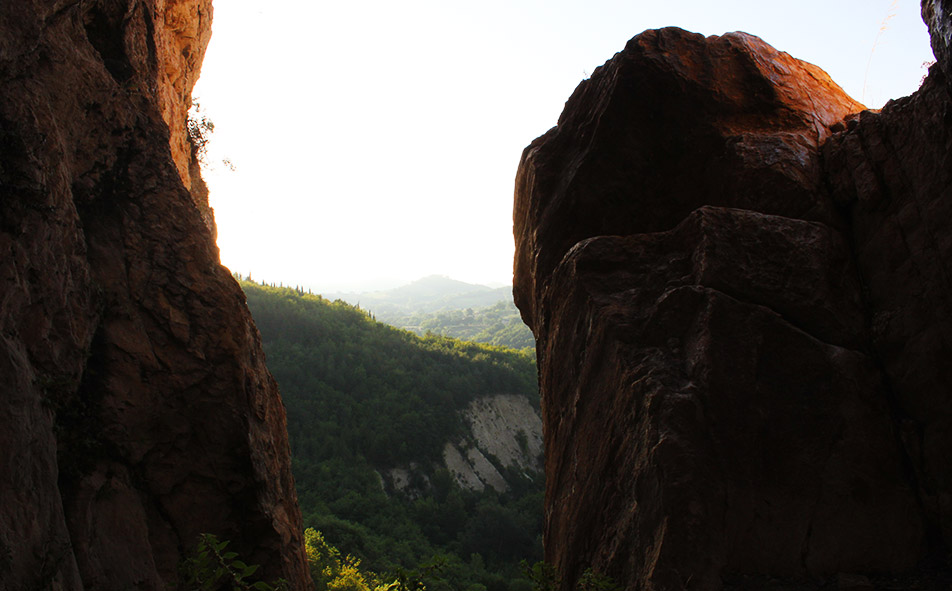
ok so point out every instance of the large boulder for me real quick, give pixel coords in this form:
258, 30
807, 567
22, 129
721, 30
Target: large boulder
738, 282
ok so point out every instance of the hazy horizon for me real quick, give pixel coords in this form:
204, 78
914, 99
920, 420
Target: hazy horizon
368, 286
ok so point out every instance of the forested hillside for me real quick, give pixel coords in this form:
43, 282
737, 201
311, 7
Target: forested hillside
443, 306
499, 324
364, 398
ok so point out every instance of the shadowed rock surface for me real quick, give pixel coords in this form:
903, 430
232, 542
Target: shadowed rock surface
739, 282
137, 411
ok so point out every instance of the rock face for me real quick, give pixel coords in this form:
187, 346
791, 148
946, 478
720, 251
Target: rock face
504, 433
505, 430
137, 411
739, 282
937, 15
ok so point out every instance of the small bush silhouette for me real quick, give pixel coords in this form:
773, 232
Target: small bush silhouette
213, 568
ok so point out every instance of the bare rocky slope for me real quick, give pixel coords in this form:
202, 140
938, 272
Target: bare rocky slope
740, 282
503, 433
503, 430
136, 408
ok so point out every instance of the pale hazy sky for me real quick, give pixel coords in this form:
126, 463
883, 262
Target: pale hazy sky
377, 141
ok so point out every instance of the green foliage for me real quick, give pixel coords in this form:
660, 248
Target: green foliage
332, 572
499, 325
363, 397
545, 577
592, 581
213, 568
200, 129
356, 387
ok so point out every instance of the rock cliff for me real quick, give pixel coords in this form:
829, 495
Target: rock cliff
739, 282
137, 411
503, 434
505, 431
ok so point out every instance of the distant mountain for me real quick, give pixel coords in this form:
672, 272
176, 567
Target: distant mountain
429, 294
443, 306
434, 288
499, 324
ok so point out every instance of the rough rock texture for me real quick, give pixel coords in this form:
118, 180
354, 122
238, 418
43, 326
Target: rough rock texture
504, 431
508, 428
892, 176
740, 290
937, 15
136, 408
471, 469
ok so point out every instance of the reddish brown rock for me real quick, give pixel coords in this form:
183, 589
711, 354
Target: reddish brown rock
674, 122
892, 175
137, 410
741, 320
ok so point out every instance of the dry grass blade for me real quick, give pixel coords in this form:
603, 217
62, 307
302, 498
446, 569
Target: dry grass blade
890, 14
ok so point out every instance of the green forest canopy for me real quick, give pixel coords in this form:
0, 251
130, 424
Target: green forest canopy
363, 397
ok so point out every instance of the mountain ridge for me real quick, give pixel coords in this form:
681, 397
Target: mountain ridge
427, 294
444, 306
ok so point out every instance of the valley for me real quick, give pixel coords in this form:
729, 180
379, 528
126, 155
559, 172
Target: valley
443, 306
407, 450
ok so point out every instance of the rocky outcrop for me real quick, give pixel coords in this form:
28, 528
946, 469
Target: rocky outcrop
891, 176
937, 15
137, 411
507, 427
503, 435
738, 280
471, 469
